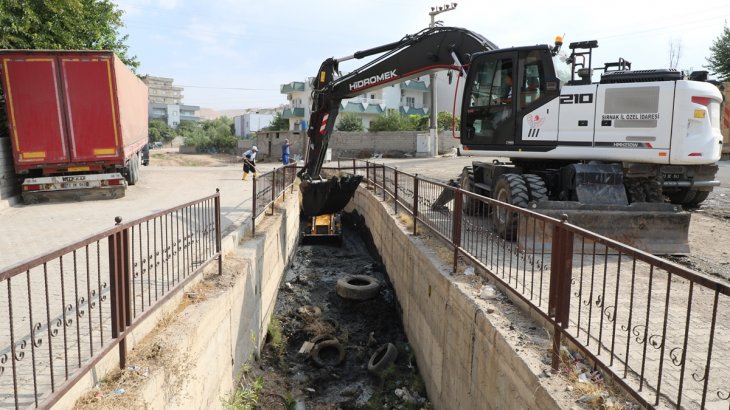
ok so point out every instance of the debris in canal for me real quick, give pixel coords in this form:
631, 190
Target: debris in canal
343, 341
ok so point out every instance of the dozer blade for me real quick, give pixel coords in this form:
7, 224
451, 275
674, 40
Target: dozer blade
656, 228
328, 196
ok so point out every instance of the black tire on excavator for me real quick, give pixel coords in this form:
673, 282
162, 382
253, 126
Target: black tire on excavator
466, 182
536, 186
689, 198
512, 189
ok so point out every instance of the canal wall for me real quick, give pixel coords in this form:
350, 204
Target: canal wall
190, 352
471, 353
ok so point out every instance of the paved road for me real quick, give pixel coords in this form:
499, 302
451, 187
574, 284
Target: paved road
32, 230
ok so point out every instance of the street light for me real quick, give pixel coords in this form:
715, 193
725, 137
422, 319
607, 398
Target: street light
432, 78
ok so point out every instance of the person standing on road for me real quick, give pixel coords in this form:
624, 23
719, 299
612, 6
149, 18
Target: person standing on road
285, 152
249, 162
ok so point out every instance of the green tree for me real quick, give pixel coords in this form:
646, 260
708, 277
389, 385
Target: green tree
279, 123
186, 127
64, 24
719, 60
160, 131
389, 121
349, 121
444, 120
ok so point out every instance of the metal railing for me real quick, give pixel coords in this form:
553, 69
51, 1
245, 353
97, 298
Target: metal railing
656, 328
268, 187
62, 312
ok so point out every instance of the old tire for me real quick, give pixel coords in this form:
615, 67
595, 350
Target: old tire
328, 353
466, 182
382, 358
511, 189
536, 186
357, 287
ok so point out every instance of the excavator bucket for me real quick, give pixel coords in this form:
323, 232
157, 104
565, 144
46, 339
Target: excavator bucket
327, 196
657, 228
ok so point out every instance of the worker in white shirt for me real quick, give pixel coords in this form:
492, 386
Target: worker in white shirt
249, 162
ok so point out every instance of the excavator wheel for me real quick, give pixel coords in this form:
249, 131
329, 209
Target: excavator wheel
537, 189
511, 189
689, 198
471, 206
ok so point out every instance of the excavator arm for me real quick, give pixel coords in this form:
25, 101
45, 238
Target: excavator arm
430, 50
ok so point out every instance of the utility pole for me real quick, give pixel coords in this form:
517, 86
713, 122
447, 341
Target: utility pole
432, 79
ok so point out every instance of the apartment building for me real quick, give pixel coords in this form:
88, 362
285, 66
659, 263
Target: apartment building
165, 102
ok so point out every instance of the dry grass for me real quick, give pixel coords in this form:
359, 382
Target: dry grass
319, 328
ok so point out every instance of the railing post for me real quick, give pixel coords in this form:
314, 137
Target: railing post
415, 203
375, 180
218, 239
118, 277
367, 172
253, 201
456, 225
354, 170
283, 183
273, 190
561, 263
395, 189
384, 196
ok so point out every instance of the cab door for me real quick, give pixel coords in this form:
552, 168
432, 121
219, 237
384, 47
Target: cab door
488, 109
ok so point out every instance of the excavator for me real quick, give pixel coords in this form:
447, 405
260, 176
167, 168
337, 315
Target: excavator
619, 156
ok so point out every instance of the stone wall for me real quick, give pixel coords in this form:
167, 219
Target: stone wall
468, 350
347, 144
209, 341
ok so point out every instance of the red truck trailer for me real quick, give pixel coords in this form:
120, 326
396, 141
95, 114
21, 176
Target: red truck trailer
77, 120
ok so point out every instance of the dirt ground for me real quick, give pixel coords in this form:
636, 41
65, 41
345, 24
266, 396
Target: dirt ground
171, 157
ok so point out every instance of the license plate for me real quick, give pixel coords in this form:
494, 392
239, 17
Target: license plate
672, 177
77, 184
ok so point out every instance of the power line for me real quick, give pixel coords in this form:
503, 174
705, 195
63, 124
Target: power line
227, 88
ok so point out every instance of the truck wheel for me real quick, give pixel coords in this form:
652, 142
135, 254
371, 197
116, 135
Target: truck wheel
537, 189
133, 173
511, 189
466, 182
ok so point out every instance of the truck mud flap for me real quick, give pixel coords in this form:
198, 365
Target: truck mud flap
328, 196
73, 195
659, 229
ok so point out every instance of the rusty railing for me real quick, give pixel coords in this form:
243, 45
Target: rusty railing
268, 187
656, 328
62, 312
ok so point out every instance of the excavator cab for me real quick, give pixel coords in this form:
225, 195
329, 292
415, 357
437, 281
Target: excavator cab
501, 87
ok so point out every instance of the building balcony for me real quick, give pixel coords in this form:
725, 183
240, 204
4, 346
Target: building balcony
292, 87
293, 113
364, 100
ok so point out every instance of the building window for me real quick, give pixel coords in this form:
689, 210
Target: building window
411, 101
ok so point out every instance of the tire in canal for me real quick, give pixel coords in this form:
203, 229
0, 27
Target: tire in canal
328, 353
382, 358
357, 287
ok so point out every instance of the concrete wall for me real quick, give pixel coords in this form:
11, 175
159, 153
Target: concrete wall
365, 144
206, 344
9, 188
466, 353
346, 144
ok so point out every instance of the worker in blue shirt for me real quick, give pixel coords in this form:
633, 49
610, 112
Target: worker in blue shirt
285, 152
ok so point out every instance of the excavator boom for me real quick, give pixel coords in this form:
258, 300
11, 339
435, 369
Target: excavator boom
429, 50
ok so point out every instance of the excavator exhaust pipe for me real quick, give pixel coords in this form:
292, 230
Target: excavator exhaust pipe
320, 197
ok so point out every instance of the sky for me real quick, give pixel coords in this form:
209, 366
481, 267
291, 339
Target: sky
235, 54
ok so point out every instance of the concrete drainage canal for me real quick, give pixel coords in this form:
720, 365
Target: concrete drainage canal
336, 340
